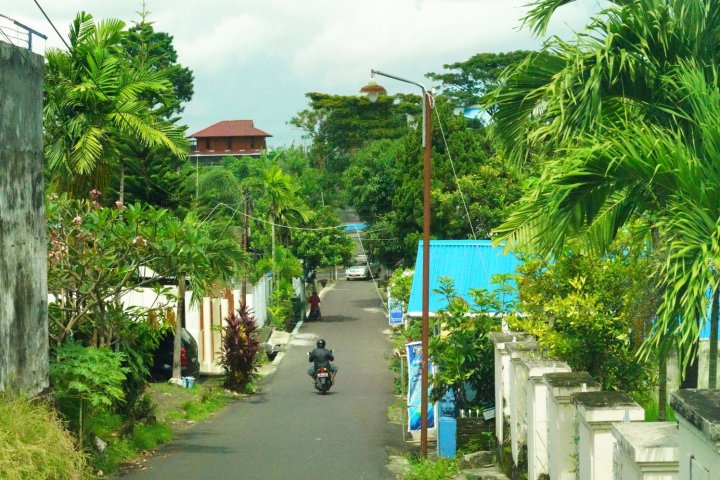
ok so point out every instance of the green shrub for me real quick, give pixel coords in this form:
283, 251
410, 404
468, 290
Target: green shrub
86, 380
34, 444
432, 469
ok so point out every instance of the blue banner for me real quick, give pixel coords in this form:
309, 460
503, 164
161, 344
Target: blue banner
395, 313
414, 359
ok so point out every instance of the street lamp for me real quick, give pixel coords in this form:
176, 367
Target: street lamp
373, 90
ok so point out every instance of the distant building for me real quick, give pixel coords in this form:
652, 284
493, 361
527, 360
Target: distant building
235, 138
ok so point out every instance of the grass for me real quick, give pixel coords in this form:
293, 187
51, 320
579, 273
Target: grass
651, 412
206, 401
432, 469
34, 443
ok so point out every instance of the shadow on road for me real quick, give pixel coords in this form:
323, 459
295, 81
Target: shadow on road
337, 319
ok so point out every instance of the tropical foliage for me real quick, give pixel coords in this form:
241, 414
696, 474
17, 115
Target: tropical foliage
239, 349
618, 118
97, 101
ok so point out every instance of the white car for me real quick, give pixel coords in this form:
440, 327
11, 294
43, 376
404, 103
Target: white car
364, 272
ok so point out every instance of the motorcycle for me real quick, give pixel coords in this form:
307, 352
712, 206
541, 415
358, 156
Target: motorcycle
323, 380
314, 313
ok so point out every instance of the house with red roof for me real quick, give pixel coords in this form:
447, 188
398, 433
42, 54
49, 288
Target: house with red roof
235, 138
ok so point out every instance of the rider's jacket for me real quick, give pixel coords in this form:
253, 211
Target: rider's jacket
321, 357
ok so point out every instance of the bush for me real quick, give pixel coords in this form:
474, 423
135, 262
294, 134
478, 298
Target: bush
86, 379
239, 349
34, 444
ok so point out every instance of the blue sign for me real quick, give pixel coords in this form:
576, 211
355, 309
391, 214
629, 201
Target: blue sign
414, 358
395, 313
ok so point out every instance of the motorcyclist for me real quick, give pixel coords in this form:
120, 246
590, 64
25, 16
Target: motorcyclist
314, 302
321, 357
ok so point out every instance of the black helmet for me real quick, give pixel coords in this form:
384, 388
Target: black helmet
321, 343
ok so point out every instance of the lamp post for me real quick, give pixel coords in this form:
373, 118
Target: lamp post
373, 90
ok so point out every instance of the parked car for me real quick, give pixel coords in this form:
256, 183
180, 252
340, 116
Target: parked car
189, 362
364, 271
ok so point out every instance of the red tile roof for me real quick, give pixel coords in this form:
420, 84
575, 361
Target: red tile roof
231, 128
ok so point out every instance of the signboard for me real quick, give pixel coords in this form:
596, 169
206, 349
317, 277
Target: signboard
414, 359
395, 313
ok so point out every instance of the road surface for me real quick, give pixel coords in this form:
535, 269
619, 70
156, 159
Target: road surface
288, 431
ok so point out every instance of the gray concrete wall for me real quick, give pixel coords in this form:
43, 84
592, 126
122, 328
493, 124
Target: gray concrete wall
23, 249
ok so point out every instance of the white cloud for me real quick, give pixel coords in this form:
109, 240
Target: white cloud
257, 58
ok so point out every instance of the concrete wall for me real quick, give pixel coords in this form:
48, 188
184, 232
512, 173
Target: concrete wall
23, 249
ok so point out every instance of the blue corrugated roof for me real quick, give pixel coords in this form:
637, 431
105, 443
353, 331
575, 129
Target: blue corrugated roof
469, 263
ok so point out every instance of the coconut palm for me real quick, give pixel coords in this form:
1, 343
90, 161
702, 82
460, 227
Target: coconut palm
94, 103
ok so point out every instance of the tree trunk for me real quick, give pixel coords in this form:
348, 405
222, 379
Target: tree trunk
122, 183
179, 322
712, 364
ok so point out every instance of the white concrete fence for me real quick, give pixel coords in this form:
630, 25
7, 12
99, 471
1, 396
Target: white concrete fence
559, 425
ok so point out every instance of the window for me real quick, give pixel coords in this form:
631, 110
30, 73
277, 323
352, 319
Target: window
229, 144
207, 144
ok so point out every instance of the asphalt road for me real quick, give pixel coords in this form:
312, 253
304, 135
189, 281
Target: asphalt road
288, 431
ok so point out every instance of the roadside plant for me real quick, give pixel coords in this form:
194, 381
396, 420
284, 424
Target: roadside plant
463, 351
239, 348
86, 379
34, 444
592, 312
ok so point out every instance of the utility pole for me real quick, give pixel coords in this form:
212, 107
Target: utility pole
245, 245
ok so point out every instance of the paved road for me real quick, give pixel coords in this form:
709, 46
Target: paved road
290, 432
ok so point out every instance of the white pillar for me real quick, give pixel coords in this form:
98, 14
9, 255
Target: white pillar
535, 370
646, 451
698, 413
561, 420
518, 397
502, 378
596, 412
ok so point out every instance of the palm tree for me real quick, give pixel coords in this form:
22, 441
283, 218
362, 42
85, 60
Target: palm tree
94, 103
282, 201
571, 99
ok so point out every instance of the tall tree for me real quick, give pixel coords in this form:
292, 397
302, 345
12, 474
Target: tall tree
465, 83
584, 94
95, 102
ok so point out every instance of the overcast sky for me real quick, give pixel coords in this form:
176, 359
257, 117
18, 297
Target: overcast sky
256, 59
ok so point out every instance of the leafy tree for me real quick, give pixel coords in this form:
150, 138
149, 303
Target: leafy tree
465, 83
95, 102
321, 243
337, 125
95, 254
371, 179
200, 255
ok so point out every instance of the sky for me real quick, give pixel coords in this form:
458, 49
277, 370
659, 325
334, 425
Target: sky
256, 59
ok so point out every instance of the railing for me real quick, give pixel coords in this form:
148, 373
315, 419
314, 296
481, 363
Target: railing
16, 33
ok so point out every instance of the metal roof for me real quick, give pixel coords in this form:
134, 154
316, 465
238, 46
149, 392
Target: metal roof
469, 263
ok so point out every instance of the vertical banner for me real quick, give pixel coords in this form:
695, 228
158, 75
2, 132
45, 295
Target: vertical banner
414, 360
